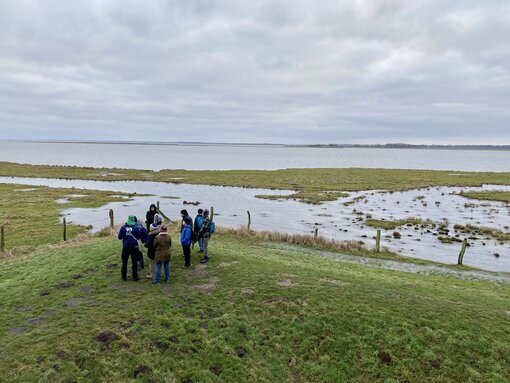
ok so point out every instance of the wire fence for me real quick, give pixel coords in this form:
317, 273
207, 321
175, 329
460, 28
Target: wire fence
408, 243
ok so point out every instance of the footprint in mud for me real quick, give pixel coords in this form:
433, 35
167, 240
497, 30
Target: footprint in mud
36, 321
17, 330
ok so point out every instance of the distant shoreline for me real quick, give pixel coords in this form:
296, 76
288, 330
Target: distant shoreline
316, 146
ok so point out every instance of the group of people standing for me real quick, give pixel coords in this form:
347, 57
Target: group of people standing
155, 238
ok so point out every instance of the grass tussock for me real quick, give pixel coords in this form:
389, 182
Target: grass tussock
298, 239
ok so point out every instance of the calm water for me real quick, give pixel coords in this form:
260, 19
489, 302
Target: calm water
156, 157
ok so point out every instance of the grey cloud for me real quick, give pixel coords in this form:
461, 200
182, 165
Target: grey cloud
267, 71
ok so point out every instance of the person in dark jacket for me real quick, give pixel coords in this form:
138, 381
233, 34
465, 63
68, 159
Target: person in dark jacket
149, 216
184, 215
186, 241
130, 233
205, 234
139, 223
154, 231
196, 228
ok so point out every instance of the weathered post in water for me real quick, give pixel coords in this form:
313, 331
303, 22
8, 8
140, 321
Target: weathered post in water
157, 206
110, 213
378, 241
249, 219
316, 233
2, 239
65, 229
212, 213
462, 251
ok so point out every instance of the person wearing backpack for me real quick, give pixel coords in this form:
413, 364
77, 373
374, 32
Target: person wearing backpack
205, 232
196, 229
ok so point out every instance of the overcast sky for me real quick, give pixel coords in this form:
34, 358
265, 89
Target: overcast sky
256, 71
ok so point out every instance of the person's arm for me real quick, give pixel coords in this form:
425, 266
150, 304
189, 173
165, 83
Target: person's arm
122, 233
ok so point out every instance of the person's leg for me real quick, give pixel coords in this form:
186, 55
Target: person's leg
124, 256
205, 257
141, 260
201, 244
134, 263
157, 277
187, 255
152, 268
167, 271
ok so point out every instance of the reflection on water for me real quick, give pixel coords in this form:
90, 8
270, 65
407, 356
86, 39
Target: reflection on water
335, 219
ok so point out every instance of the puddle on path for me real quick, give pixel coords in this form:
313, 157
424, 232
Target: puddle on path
333, 219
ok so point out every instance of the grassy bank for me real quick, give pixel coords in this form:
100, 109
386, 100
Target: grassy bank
30, 215
311, 185
253, 314
495, 195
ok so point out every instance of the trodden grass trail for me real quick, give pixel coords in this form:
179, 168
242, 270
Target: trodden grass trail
254, 313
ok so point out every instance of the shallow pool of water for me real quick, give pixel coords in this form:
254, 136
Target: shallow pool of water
333, 219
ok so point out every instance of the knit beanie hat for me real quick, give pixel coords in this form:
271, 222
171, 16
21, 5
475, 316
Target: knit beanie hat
153, 227
157, 219
206, 213
163, 229
131, 220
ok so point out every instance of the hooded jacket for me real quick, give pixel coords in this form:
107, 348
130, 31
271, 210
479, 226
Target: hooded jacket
149, 217
186, 235
162, 246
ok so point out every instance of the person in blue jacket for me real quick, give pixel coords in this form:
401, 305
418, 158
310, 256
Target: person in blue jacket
130, 234
186, 241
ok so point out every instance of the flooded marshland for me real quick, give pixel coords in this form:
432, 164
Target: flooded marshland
434, 235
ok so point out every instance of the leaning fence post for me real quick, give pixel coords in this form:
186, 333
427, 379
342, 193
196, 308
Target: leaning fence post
110, 213
316, 233
65, 229
249, 219
212, 212
378, 241
157, 206
462, 251
2, 239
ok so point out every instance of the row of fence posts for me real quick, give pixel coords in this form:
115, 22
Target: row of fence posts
315, 232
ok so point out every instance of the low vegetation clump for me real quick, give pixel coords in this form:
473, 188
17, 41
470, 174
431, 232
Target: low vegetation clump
390, 225
310, 185
483, 231
495, 195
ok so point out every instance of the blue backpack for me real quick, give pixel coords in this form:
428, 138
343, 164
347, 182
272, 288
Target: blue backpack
212, 227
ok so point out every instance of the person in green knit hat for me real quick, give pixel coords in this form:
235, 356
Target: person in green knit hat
130, 233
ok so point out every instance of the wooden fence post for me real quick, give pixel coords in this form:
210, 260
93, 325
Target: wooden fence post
378, 241
157, 206
462, 251
65, 229
249, 219
2, 239
110, 213
316, 233
212, 212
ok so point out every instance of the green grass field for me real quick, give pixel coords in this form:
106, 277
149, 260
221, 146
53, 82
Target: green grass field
495, 195
255, 313
311, 185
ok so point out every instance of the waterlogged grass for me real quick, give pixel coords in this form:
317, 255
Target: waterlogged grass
30, 215
311, 185
390, 225
477, 231
496, 195
253, 314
